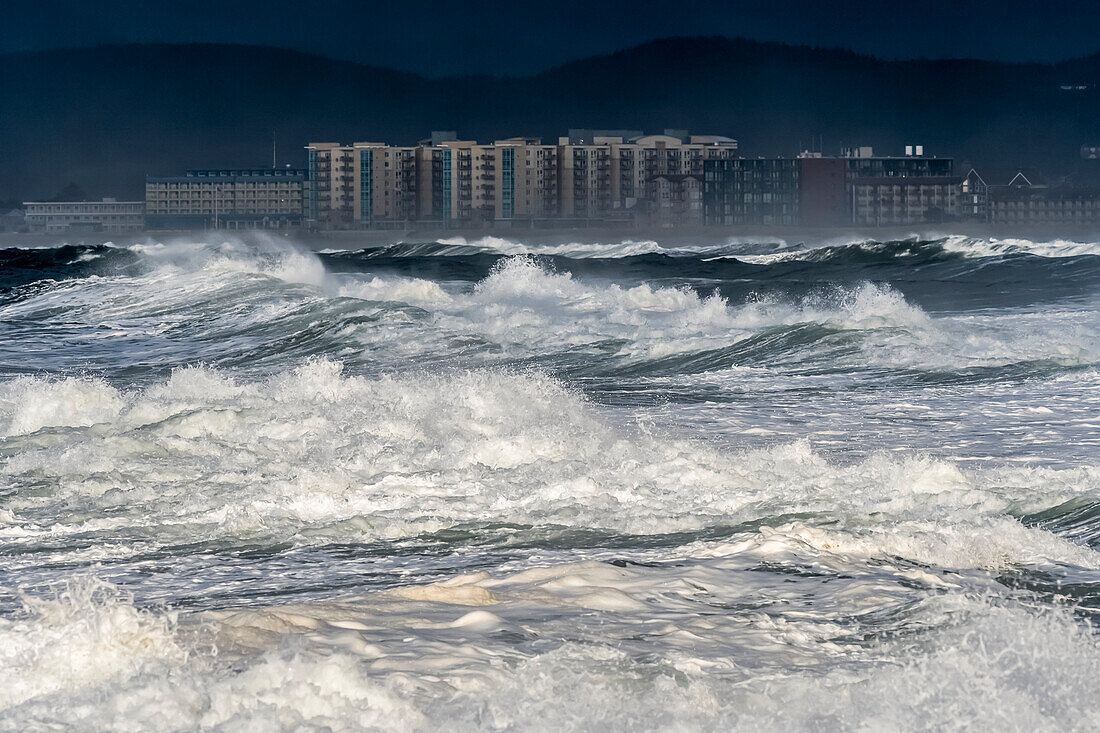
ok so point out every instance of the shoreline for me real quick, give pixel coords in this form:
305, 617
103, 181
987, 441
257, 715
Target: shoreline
671, 237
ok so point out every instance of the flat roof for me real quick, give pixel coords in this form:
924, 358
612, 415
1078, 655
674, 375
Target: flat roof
75, 203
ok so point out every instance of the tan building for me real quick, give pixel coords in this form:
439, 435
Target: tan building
619, 169
108, 216
384, 185
251, 198
331, 200
534, 172
446, 176
584, 179
447, 182
675, 199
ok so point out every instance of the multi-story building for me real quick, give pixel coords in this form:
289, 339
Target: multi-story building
675, 199
535, 170
584, 180
516, 181
331, 201
107, 216
912, 188
751, 191
623, 166
899, 190
974, 197
812, 190
384, 185
248, 198
591, 175
1026, 204
912, 200
822, 186
446, 170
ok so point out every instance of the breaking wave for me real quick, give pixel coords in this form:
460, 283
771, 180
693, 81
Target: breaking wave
508, 484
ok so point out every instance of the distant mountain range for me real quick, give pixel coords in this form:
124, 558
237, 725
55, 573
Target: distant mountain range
104, 117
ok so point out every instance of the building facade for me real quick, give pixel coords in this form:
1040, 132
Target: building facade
331, 199
912, 200
751, 191
813, 190
974, 197
588, 176
13, 220
252, 198
822, 187
108, 216
384, 186
675, 199
1038, 205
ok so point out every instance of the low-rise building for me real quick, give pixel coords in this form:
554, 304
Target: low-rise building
13, 220
1020, 204
251, 198
108, 216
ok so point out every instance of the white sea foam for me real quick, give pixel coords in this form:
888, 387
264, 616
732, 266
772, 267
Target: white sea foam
523, 304
579, 250
694, 638
973, 247
259, 255
995, 247
522, 308
315, 453
730, 246
88, 633
624, 568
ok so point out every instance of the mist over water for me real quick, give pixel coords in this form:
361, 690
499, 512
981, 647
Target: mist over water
495, 484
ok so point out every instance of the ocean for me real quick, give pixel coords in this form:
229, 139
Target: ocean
490, 484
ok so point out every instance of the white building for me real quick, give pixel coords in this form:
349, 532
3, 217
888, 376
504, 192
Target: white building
108, 215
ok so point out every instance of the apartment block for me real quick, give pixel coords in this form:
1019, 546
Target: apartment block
675, 199
584, 180
332, 199
534, 169
384, 184
822, 191
107, 216
588, 176
618, 177
899, 190
812, 190
250, 198
751, 191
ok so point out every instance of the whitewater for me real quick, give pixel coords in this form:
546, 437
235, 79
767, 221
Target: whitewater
498, 484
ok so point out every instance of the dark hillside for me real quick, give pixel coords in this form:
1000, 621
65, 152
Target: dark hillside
104, 117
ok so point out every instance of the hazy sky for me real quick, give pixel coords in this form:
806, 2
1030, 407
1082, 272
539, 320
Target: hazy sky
502, 37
